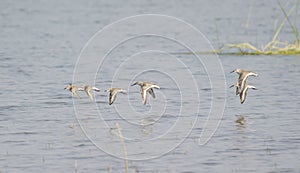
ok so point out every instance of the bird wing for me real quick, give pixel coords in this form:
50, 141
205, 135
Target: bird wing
80, 89
253, 74
122, 91
243, 95
155, 86
237, 91
75, 94
243, 77
151, 92
242, 81
144, 95
149, 89
112, 97
252, 87
96, 89
88, 92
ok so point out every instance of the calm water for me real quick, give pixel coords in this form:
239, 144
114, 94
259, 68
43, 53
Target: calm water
44, 129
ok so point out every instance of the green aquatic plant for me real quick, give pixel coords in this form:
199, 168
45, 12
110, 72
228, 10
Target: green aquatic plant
274, 47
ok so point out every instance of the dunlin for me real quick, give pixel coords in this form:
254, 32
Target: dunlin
243, 75
73, 89
113, 94
88, 89
146, 87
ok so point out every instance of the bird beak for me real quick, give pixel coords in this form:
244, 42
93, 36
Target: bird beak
232, 71
133, 84
231, 86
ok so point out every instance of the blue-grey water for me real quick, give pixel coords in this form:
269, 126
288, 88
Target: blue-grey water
44, 129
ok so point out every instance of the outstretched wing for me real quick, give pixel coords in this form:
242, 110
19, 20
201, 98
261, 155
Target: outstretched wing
144, 95
243, 78
242, 81
243, 95
113, 94
151, 92
237, 91
112, 97
90, 95
96, 89
75, 94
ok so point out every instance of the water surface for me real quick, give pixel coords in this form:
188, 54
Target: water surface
40, 43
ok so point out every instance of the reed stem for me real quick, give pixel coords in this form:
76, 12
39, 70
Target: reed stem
123, 147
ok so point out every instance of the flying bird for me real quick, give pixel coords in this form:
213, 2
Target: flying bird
73, 89
88, 89
146, 87
243, 75
113, 94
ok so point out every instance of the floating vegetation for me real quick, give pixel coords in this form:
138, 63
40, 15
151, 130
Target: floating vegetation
274, 47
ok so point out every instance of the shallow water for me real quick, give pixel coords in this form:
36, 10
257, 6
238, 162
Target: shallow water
44, 129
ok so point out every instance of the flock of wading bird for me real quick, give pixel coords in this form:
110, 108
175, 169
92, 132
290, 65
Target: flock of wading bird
147, 88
